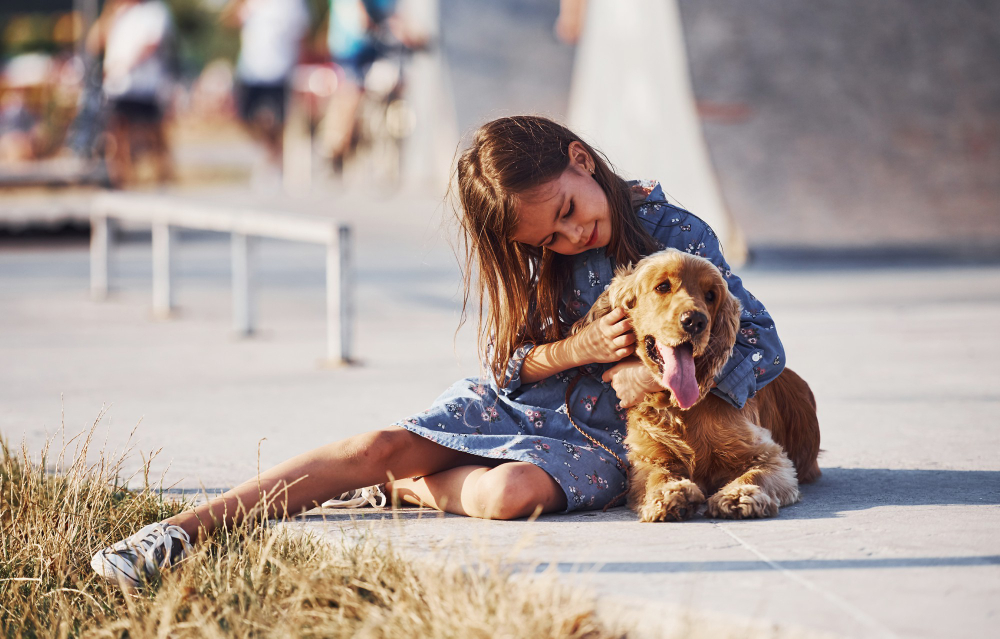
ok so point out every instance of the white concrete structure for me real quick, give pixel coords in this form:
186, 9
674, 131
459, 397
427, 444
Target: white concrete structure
431, 146
632, 97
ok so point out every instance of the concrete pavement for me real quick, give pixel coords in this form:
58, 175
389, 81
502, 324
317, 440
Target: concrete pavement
897, 539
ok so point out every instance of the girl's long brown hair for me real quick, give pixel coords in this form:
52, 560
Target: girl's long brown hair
518, 285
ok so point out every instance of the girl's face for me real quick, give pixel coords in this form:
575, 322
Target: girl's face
569, 214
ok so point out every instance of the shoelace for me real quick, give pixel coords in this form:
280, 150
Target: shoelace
373, 495
161, 537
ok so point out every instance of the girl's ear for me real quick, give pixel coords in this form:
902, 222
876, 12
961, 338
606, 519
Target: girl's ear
579, 156
624, 288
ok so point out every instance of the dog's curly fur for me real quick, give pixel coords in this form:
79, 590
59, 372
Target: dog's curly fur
744, 460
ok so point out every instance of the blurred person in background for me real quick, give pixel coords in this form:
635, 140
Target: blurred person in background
38, 92
271, 37
18, 129
569, 24
356, 37
136, 38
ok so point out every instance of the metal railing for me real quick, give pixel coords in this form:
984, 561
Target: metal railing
166, 215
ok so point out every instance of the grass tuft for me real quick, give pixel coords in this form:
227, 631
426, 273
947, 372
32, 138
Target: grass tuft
254, 581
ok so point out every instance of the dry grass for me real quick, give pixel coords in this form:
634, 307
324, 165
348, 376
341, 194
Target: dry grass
253, 581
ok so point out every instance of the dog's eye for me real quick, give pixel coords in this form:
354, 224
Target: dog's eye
709, 296
664, 287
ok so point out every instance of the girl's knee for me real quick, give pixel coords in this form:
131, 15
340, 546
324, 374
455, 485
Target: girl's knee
381, 447
517, 489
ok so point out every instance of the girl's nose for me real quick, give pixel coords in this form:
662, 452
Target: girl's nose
574, 232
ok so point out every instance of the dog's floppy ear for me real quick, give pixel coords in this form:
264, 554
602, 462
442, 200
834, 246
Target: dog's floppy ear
623, 290
725, 328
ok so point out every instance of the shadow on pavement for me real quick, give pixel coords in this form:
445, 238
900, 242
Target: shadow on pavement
844, 489
796, 564
799, 258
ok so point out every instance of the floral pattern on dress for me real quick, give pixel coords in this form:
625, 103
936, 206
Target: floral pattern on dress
572, 451
536, 418
575, 305
455, 410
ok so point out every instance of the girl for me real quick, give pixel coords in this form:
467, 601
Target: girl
545, 222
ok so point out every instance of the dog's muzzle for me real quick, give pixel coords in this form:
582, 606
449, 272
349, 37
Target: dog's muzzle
694, 322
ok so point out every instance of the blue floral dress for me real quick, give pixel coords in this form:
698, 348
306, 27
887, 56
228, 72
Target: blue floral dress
529, 422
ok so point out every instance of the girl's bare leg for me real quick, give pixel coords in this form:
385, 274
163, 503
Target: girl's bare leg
305, 481
506, 491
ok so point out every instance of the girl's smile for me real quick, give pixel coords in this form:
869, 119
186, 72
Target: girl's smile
569, 214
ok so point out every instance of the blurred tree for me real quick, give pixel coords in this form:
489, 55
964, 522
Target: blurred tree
30, 25
20, 33
199, 38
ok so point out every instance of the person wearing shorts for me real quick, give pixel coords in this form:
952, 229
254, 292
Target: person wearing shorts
271, 34
354, 47
135, 36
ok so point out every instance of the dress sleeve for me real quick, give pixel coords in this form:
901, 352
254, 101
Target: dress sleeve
512, 374
758, 356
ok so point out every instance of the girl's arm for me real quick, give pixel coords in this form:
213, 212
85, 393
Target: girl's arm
546, 360
609, 339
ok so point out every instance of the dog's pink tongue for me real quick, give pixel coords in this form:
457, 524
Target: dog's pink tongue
678, 374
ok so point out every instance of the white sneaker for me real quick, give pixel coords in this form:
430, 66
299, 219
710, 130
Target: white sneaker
360, 497
136, 559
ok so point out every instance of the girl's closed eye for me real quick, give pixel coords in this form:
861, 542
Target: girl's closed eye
569, 212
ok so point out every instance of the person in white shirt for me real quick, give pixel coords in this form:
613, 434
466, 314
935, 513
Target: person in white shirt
135, 36
271, 34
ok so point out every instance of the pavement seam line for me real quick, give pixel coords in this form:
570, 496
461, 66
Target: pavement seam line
833, 598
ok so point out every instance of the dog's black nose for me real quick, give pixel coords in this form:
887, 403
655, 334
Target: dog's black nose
694, 322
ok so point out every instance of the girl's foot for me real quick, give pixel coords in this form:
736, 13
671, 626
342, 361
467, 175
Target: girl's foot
359, 498
136, 559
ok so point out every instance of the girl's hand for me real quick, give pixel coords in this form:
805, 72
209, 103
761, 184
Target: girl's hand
631, 381
607, 340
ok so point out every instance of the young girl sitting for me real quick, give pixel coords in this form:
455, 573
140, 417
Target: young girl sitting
545, 223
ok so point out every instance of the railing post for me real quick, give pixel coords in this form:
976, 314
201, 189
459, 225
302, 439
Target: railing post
163, 290
245, 228
338, 305
244, 315
346, 294
100, 256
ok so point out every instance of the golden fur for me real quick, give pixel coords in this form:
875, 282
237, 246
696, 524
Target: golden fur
745, 460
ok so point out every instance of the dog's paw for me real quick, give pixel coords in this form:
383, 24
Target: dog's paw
741, 502
673, 501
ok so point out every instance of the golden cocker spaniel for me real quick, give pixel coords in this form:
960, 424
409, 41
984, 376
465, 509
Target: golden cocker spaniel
685, 443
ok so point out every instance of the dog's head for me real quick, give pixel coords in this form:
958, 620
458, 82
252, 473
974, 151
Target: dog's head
684, 318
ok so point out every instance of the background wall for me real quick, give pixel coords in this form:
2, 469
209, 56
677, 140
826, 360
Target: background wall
833, 123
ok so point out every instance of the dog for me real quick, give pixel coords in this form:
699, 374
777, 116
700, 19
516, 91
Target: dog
685, 443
